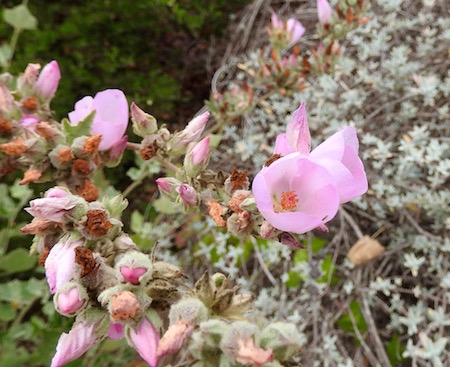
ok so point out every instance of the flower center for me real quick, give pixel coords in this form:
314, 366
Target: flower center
289, 200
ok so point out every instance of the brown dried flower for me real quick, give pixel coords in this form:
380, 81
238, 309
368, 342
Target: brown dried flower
124, 305
37, 226
15, 148
81, 166
91, 144
149, 151
85, 258
215, 212
272, 159
97, 223
30, 103
65, 155
5, 126
88, 191
31, 175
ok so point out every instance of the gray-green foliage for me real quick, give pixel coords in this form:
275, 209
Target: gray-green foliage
392, 85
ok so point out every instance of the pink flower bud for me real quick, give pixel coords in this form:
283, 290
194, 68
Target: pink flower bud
118, 148
29, 121
51, 208
56, 192
6, 99
276, 21
69, 302
29, 76
48, 80
192, 131
60, 263
143, 123
174, 338
295, 29
80, 338
324, 11
167, 184
145, 340
200, 153
188, 195
132, 275
115, 331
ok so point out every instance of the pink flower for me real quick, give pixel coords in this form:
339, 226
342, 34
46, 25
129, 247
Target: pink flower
294, 194
118, 148
29, 121
53, 207
188, 195
192, 131
302, 191
167, 185
297, 137
48, 80
276, 21
70, 346
111, 116
295, 29
115, 331
60, 263
145, 340
132, 275
324, 11
200, 153
69, 302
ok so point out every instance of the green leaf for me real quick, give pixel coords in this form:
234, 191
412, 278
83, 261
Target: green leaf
328, 267
20, 17
294, 279
83, 128
20, 192
7, 312
7, 205
395, 350
165, 206
214, 140
317, 243
345, 322
17, 261
137, 221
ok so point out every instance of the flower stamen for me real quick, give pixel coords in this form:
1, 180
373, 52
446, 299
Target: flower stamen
289, 200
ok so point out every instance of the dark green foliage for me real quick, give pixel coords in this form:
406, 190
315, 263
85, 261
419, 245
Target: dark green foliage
153, 50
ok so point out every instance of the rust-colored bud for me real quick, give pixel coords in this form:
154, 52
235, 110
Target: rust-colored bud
82, 167
97, 223
65, 155
5, 126
30, 103
91, 144
124, 305
14, 148
88, 191
215, 212
32, 175
85, 258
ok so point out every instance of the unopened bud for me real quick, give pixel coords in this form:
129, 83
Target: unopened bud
168, 186
124, 305
188, 195
192, 132
143, 123
134, 267
48, 80
70, 299
188, 310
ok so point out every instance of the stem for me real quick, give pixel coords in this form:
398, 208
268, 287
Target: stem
167, 164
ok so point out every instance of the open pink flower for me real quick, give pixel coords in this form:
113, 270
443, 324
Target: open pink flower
145, 340
70, 346
60, 263
302, 190
294, 194
111, 116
